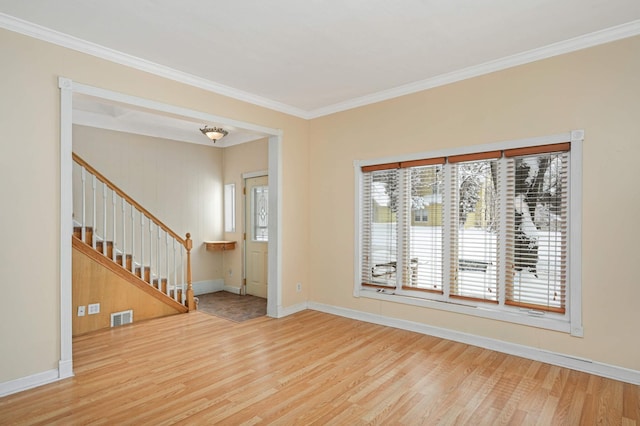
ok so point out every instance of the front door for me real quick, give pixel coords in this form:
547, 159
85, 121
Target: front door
257, 237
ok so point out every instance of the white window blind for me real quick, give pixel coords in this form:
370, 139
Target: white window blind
474, 229
537, 231
500, 218
380, 216
423, 239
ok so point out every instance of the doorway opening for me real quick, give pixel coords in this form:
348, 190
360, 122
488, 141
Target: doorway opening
72, 92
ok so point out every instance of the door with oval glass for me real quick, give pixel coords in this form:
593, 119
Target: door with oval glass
257, 236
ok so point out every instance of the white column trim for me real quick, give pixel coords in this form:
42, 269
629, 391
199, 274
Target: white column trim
274, 287
70, 88
65, 364
575, 247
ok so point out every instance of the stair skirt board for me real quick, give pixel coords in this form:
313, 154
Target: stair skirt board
137, 269
128, 276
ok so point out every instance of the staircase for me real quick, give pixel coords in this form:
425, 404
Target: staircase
116, 232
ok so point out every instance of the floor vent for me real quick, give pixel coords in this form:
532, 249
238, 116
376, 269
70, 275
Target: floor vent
121, 318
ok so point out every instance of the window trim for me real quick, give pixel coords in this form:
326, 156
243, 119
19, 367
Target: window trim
571, 322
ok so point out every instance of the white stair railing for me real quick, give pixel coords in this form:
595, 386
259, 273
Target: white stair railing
127, 227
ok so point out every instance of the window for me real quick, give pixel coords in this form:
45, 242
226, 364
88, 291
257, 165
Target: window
476, 229
230, 207
420, 216
260, 211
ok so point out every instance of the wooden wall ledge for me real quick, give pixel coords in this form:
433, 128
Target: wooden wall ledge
220, 245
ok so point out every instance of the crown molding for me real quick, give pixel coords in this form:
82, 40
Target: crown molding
11, 23
619, 32
30, 29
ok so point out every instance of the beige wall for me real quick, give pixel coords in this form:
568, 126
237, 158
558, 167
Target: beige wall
30, 171
239, 159
597, 90
179, 183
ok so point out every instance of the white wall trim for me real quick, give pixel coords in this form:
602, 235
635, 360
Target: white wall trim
29, 382
30, 29
290, 310
207, 286
69, 88
274, 284
259, 173
160, 107
65, 369
70, 42
231, 289
596, 38
65, 363
561, 360
575, 246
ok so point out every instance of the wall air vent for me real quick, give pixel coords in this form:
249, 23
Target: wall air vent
121, 318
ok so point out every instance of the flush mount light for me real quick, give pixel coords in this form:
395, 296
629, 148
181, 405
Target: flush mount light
214, 133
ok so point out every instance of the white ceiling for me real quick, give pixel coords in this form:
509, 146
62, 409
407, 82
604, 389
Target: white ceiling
314, 57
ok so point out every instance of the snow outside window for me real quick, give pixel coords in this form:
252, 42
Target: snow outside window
474, 209
495, 230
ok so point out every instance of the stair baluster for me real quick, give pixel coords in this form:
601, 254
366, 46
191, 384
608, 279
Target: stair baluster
159, 265
142, 244
167, 274
130, 250
133, 240
113, 234
93, 211
124, 240
104, 218
150, 249
182, 299
83, 232
175, 272
191, 303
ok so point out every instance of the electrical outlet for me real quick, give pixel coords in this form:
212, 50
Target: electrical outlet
230, 272
94, 308
299, 287
81, 310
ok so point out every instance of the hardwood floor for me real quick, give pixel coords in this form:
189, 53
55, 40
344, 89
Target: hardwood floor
309, 368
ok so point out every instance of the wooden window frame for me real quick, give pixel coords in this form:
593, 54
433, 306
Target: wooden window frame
568, 320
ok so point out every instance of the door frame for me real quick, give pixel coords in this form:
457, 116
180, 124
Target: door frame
245, 229
68, 90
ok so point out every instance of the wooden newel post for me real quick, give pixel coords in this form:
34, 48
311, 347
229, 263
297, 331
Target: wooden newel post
191, 303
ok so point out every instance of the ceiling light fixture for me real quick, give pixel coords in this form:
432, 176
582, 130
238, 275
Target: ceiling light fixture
214, 133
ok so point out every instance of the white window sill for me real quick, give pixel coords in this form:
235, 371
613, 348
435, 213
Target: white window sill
549, 321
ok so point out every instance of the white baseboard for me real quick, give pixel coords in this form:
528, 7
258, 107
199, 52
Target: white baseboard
28, 382
65, 369
575, 363
231, 289
207, 286
290, 310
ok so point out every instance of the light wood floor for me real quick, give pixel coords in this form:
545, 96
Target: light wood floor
309, 368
